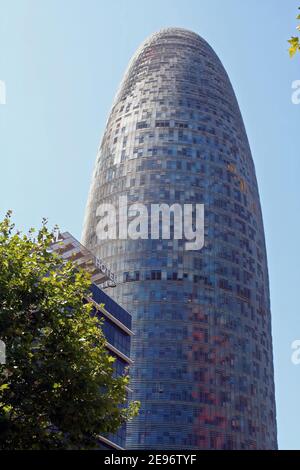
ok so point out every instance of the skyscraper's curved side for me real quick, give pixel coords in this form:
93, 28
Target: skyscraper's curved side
202, 346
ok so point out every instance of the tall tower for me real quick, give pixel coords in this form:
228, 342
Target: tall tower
202, 350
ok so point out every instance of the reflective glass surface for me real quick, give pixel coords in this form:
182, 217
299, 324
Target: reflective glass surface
202, 349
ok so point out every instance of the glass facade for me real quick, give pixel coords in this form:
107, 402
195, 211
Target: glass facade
118, 335
202, 345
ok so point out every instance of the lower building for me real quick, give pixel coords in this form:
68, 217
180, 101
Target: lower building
116, 324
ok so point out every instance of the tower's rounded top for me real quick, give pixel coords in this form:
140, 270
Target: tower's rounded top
187, 44
175, 30
179, 33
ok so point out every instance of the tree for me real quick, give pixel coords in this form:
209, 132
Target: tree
57, 387
295, 41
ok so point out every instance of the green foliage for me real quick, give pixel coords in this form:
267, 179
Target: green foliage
295, 41
57, 388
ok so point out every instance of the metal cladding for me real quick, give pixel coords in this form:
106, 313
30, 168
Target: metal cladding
202, 345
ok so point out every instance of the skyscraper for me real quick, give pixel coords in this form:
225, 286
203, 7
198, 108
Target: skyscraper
202, 345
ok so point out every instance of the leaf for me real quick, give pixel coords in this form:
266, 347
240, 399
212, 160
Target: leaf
4, 387
294, 41
7, 408
295, 46
293, 51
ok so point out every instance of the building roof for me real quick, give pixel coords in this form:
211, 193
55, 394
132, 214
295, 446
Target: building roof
72, 250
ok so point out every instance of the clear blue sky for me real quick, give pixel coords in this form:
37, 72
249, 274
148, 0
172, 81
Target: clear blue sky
62, 62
